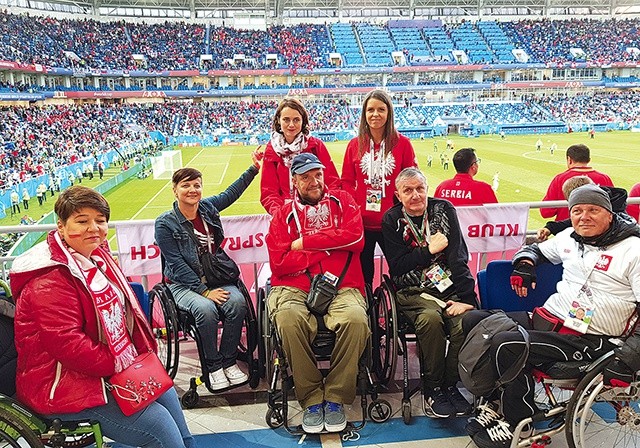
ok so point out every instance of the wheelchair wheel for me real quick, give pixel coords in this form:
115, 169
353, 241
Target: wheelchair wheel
601, 416
274, 417
16, 433
266, 346
406, 411
384, 335
190, 399
249, 339
379, 411
163, 318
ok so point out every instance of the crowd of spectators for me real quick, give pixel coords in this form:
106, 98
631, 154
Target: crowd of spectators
176, 45
601, 41
90, 44
35, 140
593, 107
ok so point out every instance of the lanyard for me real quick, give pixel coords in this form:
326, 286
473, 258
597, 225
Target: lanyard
423, 235
377, 174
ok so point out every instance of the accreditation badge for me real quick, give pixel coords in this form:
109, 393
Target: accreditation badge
374, 200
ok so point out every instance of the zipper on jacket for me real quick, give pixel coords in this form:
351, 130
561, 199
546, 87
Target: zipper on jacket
56, 380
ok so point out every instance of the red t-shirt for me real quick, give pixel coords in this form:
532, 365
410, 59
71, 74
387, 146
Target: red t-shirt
463, 190
554, 192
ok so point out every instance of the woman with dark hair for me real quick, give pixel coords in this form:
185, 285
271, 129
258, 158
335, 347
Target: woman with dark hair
289, 138
371, 164
77, 323
191, 229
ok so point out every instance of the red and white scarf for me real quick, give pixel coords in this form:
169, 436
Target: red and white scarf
109, 290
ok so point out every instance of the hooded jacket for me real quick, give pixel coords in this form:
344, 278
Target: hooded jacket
614, 280
330, 230
62, 361
407, 260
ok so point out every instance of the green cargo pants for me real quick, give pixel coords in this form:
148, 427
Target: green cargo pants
297, 328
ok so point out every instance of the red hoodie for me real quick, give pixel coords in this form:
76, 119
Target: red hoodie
330, 230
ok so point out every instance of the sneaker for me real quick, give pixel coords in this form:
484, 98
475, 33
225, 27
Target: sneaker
498, 434
334, 418
218, 380
461, 405
313, 419
437, 403
235, 375
487, 414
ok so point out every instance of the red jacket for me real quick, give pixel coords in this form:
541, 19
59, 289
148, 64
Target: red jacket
330, 230
554, 192
634, 209
355, 177
275, 181
463, 190
62, 364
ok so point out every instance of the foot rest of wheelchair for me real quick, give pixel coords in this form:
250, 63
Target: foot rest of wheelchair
563, 370
323, 344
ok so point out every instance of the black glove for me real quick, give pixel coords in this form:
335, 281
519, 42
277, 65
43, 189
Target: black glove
524, 274
617, 374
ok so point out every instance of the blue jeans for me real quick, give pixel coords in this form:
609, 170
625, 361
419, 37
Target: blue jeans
159, 425
207, 315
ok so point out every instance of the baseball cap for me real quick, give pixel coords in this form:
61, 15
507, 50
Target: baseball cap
304, 162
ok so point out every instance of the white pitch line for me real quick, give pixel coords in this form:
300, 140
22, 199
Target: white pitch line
156, 195
562, 155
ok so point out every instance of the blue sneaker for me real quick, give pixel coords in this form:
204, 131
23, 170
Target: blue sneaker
313, 419
334, 418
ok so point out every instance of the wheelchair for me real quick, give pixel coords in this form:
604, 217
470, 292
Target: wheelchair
276, 370
574, 400
170, 325
19, 426
571, 395
395, 337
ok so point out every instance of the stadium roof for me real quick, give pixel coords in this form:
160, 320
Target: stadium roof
260, 12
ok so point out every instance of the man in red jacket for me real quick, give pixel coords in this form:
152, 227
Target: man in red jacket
319, 232
463, 189
578, 158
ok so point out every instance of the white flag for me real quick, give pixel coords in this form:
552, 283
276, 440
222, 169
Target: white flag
244, 242
494, 227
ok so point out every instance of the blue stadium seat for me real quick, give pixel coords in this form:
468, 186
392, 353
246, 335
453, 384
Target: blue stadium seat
142, 295
496, 293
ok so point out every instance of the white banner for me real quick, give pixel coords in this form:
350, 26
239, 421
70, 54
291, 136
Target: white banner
244, 242
494, 227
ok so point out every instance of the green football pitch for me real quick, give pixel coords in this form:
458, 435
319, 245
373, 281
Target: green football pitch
524, 173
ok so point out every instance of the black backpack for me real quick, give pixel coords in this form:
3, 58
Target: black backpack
475, 365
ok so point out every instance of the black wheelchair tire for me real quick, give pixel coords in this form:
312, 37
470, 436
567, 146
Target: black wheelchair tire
592, 380
190, 399
161, 294
379, 411
12, 428
274, 417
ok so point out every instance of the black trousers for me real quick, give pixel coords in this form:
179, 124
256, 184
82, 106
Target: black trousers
546, 347
366, 257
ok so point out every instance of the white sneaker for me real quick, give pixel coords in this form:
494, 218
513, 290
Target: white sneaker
218, 380
235, 375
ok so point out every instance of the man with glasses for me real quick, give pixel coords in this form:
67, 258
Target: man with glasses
463, 189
